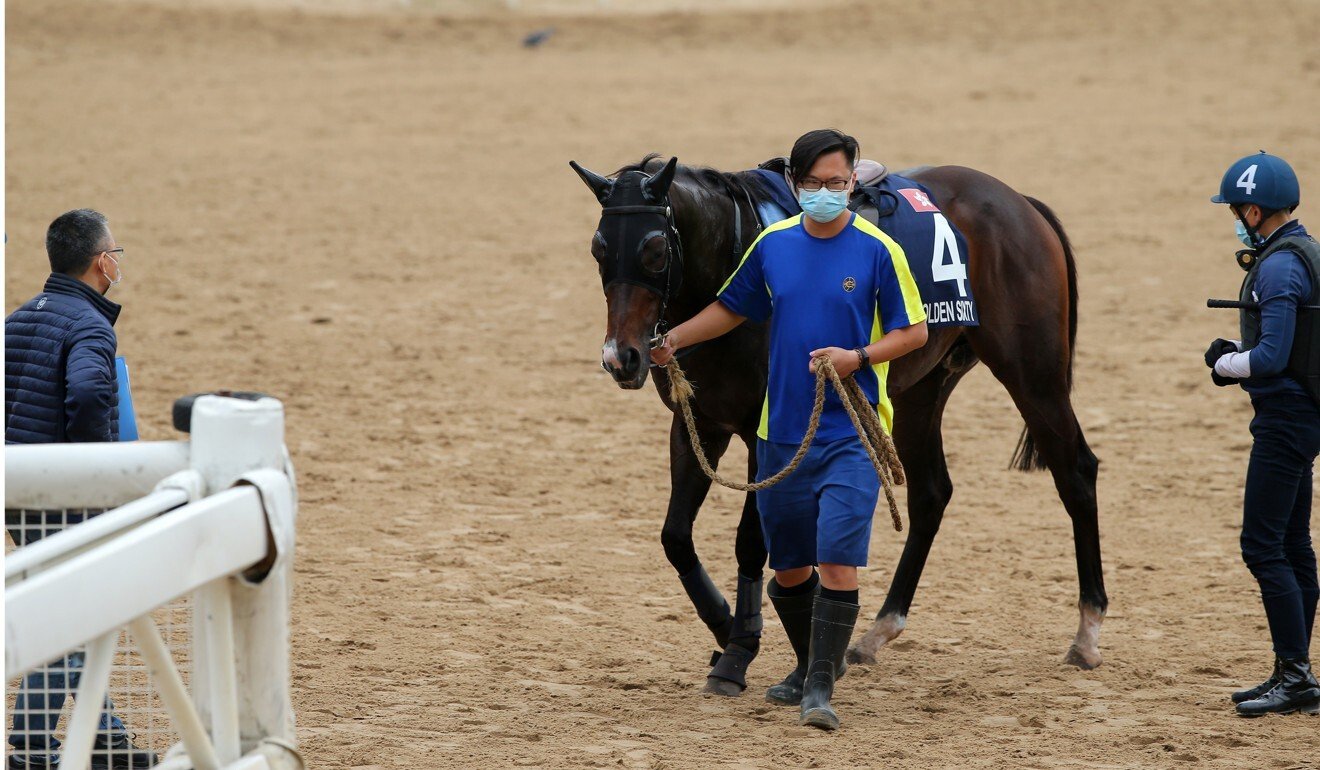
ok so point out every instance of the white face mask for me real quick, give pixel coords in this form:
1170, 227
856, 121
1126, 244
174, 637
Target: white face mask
119, 274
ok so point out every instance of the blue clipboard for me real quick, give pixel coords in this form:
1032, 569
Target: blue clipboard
127, 417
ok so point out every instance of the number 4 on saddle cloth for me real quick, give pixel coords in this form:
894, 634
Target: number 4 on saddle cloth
906, 211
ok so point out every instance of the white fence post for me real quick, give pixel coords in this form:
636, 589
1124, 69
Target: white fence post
237, 441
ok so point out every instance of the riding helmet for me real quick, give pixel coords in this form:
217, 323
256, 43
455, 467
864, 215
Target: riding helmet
1263, 179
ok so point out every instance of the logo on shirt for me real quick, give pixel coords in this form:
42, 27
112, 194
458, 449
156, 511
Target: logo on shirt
41, 303
849, 283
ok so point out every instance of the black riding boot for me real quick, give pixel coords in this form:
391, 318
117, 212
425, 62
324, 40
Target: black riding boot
1242, 696
794, 610
711, 606
728, 675
1297, 690
831, 629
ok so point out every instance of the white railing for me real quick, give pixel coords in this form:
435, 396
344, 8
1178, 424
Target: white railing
211, 519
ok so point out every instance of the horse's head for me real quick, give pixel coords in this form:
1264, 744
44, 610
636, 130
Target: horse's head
637, 248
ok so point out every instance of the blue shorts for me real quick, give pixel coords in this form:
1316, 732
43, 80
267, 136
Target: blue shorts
821, 513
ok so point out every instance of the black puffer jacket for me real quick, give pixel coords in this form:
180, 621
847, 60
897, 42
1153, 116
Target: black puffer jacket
60, 382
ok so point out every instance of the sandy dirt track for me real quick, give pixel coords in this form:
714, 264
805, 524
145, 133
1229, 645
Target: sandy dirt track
373, 218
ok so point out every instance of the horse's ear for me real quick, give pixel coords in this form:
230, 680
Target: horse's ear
600, 186
657, 187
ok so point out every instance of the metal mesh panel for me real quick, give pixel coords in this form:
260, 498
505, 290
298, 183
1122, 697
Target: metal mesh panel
40, 702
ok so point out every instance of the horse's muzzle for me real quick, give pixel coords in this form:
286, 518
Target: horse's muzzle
628, 366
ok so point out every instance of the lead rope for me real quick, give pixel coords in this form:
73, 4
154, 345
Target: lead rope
879, 446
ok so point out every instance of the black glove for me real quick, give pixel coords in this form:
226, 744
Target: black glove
1217, 350
1222, 381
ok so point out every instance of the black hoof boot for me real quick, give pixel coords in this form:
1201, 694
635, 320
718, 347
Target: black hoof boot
831, 629
1297, 690
794, 612
710, 604
1255, 692
728, 674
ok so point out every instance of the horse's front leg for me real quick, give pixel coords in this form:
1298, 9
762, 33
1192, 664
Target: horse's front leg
689, 486
729, 674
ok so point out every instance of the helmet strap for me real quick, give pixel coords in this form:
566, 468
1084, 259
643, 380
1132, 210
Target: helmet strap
1251, 229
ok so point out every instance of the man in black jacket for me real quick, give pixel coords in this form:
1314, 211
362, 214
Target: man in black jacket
60, 382
60, 386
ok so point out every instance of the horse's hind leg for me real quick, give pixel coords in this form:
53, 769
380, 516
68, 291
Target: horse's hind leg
917, 416
689, 486
1036, 376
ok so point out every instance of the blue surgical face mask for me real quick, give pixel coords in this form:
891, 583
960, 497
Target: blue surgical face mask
1243, 235
823, 205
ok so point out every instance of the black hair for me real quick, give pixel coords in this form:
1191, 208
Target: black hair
813, 144
74, 239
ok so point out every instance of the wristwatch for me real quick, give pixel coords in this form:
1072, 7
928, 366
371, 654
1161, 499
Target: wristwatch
863, 357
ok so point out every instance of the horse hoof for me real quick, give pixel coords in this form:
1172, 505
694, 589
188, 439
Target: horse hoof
859, 657
722, 687
784, 694
885, 630
1083, 659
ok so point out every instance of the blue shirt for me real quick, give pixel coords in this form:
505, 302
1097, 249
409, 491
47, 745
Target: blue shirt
845, 291
1282, 283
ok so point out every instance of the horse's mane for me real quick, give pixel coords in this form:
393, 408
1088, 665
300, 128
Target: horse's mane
705, 178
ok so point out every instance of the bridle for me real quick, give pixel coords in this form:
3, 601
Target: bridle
674, 254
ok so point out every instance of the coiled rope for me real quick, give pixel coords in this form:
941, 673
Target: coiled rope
879, 446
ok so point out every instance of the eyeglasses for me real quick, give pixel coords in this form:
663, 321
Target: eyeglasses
836, 184
118, 251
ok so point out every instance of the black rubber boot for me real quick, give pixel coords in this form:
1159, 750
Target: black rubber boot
831, 629
795, 613
1255, 692
119, 753
1297, 690
728, 675
711, 606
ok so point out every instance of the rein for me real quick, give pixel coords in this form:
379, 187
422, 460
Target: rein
879, 446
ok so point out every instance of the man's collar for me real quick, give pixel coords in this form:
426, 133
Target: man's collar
59, 283
1291, 224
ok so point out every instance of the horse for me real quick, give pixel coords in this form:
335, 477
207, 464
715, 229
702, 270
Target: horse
668, 238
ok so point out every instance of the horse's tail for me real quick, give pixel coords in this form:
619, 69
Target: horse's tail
1027, 457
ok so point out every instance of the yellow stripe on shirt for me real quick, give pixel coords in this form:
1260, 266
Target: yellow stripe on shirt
782, 224
916, 311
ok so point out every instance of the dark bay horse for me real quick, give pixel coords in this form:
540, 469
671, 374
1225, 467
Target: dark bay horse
668, 238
